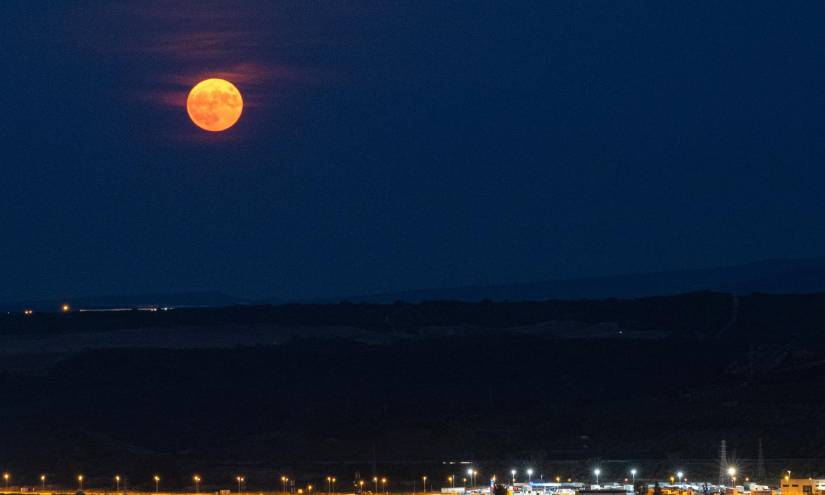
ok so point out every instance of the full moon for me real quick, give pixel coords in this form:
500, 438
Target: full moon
214, 105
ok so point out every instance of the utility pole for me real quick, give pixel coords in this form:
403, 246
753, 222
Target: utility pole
760, 463
723, 462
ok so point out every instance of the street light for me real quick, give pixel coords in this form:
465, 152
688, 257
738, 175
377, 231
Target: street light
157, 483
333, 484
80, 481
451, 479
472, 472
513, 474
558, 479
329, 484
240, 480
384, 484
375, 484
117, 482
284, 480
597, 472
6, 477
732, 474
43, 481
680, 475
529, 475
424, 479
197, 480
361, 484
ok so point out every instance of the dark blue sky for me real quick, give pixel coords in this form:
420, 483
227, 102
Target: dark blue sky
399, 145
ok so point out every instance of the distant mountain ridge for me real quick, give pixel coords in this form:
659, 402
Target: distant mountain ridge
769, 276
180, 299
776, 276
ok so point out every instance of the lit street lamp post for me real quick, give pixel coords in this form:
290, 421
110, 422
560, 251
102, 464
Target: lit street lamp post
157, 483
530, 475
633, 474
597, 472
117, 483
197, 480
6, 477
424, 479
43, 482
384, 484
239, 479
283, 482
80, 482
375, 484
732, 474
451, 479
513, 475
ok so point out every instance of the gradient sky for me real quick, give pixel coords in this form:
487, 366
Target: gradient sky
400, 145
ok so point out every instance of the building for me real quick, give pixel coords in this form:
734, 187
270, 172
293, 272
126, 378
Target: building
807, 486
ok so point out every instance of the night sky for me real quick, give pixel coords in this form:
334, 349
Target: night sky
400, 145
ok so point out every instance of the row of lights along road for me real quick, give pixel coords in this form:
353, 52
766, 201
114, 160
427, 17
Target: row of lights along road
680, 476
64, 308
196, 479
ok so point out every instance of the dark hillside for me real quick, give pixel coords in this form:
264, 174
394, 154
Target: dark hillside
655, 378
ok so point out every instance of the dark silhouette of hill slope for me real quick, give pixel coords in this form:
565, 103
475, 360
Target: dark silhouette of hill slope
770, 276
654, 380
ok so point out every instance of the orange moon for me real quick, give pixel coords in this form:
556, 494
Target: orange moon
214, 105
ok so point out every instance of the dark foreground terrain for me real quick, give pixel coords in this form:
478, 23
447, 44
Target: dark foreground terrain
315, 389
